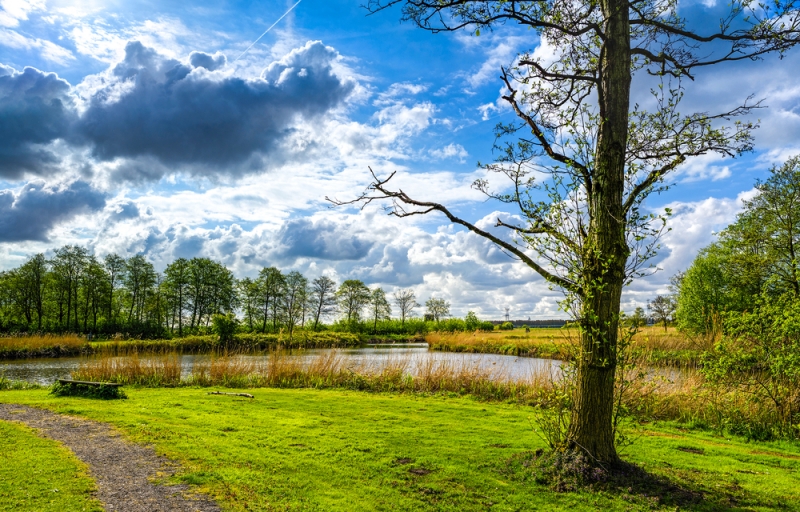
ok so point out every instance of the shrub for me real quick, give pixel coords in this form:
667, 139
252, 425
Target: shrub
88, 391
224, 326
486, 326
758, 357
506, 326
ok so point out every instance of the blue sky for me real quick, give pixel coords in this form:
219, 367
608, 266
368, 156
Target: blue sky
135, 129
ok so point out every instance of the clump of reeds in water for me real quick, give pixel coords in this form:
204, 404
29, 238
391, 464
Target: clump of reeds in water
328, 370
150, 371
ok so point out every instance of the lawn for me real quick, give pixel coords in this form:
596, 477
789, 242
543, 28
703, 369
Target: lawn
39, 474
305, 449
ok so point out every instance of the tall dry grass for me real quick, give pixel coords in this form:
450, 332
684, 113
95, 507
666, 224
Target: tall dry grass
33, 345
658, 347
327, 370
149, 371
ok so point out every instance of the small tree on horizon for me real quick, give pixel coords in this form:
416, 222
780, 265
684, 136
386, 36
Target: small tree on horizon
438, 308
662, 309
406, 302
351, 298
379, 307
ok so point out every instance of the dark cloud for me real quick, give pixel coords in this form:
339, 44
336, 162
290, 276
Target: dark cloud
204, 60
32, 213
124, 211
184, 115
35, 109
324, 240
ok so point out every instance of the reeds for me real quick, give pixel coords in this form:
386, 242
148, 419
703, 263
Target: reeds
37, 345
150, 371
658, 347
329, 370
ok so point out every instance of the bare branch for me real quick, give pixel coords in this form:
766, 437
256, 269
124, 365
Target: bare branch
378, 191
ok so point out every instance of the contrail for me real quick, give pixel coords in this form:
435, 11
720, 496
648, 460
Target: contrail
265, 32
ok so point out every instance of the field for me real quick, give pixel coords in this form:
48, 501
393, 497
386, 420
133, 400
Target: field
659, 347
39, 474
291, 449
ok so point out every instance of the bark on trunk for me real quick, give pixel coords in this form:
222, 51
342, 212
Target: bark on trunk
591, 428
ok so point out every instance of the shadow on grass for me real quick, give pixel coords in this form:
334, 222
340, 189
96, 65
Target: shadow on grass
573, 472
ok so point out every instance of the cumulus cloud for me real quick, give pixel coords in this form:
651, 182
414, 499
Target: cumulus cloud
452, 150
322, 239
37, 208
149, 106
36, 108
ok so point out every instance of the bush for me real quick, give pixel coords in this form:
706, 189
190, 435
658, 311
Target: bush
758, 359
88, 391
506, 326
486, 326
224, 326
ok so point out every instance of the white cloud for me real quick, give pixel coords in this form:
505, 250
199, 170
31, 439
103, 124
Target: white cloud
451, 150
48, 50
14, 11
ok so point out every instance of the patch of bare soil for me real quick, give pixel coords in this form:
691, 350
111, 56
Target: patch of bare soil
123, 470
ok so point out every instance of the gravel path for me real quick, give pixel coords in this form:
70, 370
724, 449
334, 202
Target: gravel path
121, 469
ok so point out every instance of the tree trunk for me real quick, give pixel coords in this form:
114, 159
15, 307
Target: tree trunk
592, 428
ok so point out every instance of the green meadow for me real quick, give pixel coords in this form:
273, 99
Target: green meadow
40, 474
309, 449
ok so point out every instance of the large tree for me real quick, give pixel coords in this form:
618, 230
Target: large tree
596, 156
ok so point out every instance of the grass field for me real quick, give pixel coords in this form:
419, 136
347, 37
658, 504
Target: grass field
39, 474
660, 347
301, 449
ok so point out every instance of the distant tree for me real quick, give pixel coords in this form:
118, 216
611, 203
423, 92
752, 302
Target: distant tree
638, 318
95, 284
28, 290
471, 321
662, 309
294, 297
67, 266
406, 302
351, 297
322, 298
379, 307
140, 279
177, 283
270, 282
115, 270
249, 297
437, 308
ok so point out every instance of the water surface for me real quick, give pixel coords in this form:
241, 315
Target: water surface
46, 371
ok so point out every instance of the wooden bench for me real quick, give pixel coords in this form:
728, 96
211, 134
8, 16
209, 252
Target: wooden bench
90, 383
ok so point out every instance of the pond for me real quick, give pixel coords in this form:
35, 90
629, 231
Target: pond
46, 371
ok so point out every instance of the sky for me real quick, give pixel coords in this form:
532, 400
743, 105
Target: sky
150, 128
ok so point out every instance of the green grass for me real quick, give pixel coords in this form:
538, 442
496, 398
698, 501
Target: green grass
302, 449
39, 474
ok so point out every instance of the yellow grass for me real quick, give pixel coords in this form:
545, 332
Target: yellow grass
561, 343
35, 342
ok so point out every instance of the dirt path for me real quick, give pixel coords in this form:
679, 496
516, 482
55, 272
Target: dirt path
120, 468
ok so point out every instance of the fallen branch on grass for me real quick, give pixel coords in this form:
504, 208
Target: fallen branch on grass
248, 395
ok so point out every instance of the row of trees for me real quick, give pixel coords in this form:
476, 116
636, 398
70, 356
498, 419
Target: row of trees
76, 291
